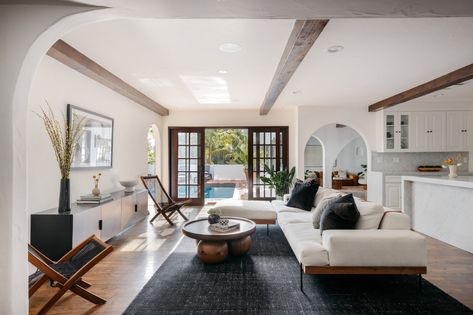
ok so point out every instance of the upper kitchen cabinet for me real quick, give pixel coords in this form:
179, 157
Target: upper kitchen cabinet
459, 130
429, 131
397, 132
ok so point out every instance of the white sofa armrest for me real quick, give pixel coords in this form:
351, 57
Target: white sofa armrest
395, 220
378, 248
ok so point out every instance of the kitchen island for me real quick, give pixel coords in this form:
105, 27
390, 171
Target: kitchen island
441, 207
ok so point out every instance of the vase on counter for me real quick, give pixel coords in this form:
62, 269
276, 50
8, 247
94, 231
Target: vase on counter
453, 171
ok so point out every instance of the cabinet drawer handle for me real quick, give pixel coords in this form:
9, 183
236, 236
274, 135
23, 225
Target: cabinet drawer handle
136, 208
100, 225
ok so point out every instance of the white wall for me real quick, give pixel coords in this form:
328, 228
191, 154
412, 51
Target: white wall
352, 156
310, 119
60, 85
228, 118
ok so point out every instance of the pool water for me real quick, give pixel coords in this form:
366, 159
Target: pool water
219, 190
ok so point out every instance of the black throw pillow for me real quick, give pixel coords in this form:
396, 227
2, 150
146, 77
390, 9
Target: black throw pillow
340, 214
303, 195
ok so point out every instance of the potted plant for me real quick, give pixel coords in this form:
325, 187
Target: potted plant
64, 138
281, 181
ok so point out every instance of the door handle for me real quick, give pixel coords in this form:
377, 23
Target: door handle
100, 225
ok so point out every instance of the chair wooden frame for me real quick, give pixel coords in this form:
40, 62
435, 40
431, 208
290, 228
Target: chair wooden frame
168, 210
74, 282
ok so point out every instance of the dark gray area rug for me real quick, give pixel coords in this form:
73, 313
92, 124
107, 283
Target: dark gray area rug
266, 281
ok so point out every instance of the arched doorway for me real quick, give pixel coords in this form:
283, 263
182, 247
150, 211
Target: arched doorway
337, 155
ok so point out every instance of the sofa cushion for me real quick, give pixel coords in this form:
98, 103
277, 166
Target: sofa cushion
306, 244
340, 214
303, 195
250, 209
323, 203
370, 214
395, 220
397, 248
279, 206
293, 217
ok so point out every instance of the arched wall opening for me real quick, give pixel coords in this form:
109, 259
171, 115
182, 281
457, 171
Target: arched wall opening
154, 155
34, 40
338, 151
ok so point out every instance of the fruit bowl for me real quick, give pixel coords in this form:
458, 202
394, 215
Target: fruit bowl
129, 185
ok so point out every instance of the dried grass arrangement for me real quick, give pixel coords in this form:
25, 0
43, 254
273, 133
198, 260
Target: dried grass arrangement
64, 138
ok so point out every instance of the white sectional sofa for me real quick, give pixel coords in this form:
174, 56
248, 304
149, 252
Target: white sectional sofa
382, 242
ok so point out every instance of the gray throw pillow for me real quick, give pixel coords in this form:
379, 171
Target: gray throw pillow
317, 213
340, 214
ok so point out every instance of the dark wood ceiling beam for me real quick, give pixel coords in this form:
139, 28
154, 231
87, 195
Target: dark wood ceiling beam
452, 78
73, 58
303, 36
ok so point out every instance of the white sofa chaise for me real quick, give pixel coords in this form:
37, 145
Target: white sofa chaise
382, 242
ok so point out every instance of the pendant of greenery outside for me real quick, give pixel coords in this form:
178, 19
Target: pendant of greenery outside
64, 138
281, 181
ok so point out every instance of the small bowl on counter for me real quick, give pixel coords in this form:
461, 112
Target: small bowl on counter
129, 185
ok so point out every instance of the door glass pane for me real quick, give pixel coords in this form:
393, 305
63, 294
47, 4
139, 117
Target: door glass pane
182, 152
194, 191
181, 164
181, 178
194, 136
181, 191
193, 152
182, 138
193, 165
193, 178
404, 132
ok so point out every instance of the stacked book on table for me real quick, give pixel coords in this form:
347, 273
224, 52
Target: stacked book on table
91, 199
222, 227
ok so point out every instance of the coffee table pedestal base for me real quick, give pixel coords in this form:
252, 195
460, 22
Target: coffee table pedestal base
212, 252
241, 246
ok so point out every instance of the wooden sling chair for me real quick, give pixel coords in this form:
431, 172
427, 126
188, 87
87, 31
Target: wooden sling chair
66, 273
163, 203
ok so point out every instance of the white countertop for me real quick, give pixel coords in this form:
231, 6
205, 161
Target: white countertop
460, 181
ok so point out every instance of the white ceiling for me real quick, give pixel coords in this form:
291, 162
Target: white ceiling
381, 57
291, 9
176, 62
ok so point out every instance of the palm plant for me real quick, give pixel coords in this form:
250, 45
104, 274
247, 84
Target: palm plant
281, 181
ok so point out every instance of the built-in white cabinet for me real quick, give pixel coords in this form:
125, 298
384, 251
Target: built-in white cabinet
392, 192
429, 131
111, 219
459, 130
55, 233
85, 224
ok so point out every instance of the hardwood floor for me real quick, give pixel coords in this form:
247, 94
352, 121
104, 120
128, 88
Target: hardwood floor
140, 251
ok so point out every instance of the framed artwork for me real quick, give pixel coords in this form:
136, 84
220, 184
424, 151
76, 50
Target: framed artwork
95, 146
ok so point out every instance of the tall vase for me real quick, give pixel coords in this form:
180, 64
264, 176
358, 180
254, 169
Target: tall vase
64, 196
453, 170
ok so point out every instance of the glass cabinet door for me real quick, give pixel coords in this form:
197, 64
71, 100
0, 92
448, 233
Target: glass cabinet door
390, 131
404, 131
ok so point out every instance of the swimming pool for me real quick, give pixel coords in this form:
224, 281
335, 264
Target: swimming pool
219, 190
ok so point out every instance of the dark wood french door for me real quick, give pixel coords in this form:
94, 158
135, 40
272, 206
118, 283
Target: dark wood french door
266, 146
187, 146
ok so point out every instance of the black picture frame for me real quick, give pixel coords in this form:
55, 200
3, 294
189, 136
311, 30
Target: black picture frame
95, 147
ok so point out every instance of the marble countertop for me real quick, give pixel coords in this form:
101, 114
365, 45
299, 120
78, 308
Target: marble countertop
460, 181
417, 173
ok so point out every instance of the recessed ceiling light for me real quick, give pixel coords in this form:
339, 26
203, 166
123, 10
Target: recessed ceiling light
230, 47
223, 71
297, 92
335, 48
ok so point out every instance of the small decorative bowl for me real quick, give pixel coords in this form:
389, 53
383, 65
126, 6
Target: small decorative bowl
213, 218
129, 185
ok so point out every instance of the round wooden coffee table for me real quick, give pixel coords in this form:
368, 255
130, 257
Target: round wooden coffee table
213, 247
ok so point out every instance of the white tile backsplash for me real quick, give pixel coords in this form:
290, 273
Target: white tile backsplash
409, 161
